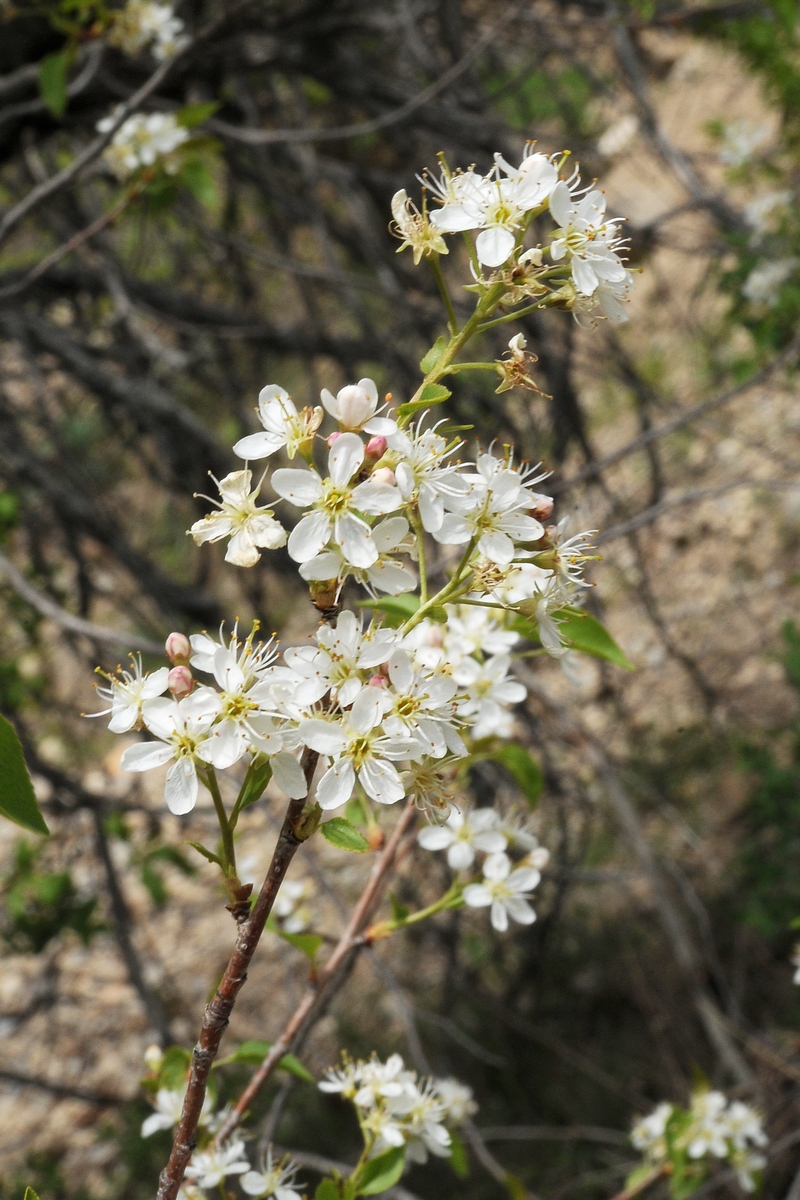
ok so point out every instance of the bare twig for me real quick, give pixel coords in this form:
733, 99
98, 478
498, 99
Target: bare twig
62, 1090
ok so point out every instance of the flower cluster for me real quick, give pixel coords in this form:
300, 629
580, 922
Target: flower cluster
396, 1108
683, 1139
500, 206
141, 141
143, 24
505, 887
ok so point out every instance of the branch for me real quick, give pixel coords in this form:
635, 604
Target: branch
48, 608
691, 496
316, 991
218, 1011
64, 1090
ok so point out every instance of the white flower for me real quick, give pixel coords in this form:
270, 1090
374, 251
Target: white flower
747, 1165
343, 652
457, 1098
293, 914
210, 1167
422, 1113
343, 1080
496, 203
471, 629
415, 228
333, 501
183, 729
277, 1181
492, 512
357, 747
744, 1124
462, 834
385, 575
488, 692
505, 890
739, 140
420, 706
141, 141
128, 691
587, 236
760, 213
609, 297
647, 1134
141, 23
283, 424
709, 1130
169, 1108
354, 408
520, 837
764, 283
380, 1080
250, 528
421, 472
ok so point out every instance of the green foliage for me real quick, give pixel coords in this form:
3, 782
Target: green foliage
253, 1053
339, 832
381, 1173
17, 798
580, 631
328, 1189
559, 96
306, 943
53, 81
434, 354
39, 905
432, 393
458, 1156
526, 771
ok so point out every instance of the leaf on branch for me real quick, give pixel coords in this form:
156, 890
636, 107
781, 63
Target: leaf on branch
53, 81
383, 1172
194, 114
17, 797
432, 393
174, 1066
254, 1052
515, 1187
434, 354
525, 769
458, 1156
396, 609
196, 176
30, 1194
342, 834
584, 632
209, 854
308, 943
327, 1190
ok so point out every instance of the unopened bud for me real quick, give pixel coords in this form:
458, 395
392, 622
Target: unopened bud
333, 436
180, 681
178, 648
543, 507
153, 1058
376, 448
377, 681
383, 474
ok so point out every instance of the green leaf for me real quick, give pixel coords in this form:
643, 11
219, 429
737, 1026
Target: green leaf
53, 81
515, 1187
584, 632
195, 114
638, 1175
397, 609
383, 1172
458, 1156
17, 799
525, 769
30, 1194
339, 832
196, 176
432, 393
328, 1189
174, 1067
308, 943
254, 1052
255, 782
434, 354
399, 911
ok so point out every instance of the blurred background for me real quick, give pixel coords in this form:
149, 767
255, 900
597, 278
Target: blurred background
671, 800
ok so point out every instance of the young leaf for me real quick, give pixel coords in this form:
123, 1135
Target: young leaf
30, 1194
328, 1189
53, 82
308, 943
194, 114
434, 354
174, 1066
432, 393
397, 609
196, 176
339, 832
525, 769
255, 782
585, 633
458, 1156
17, 799
515, 1187
381, 1173
253, 1053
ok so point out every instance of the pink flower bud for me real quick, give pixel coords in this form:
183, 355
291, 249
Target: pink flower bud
543, 507
377, 681
383, 475
180, 681
376, 448
332, 437
178, 648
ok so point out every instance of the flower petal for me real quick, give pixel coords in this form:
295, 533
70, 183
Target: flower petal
180, 790
345, 458
300, 488
144, 756
289, 775
309, 536
336, 786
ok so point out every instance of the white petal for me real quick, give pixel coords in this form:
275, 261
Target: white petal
584, 276
367, 711
241, 550
225, 746
326, 565
124, 718
494, 245
348, 691
146, 755
309, 536
180, 791
257, 445
389, 533
345, 458
401, 671
161, 716
453, 531
520, 910
376, 499
254, 1183
497, 867
380, 780
524, 879
336, 786
434, 837
460, 856
155, 684
323, 736
496, 546
561, 203
355, 538
391, 578
477, 895
499, 916
289, 775
455, 218
431, 508
299, 487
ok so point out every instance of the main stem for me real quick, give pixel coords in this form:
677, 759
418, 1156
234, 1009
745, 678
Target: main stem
218, 1011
